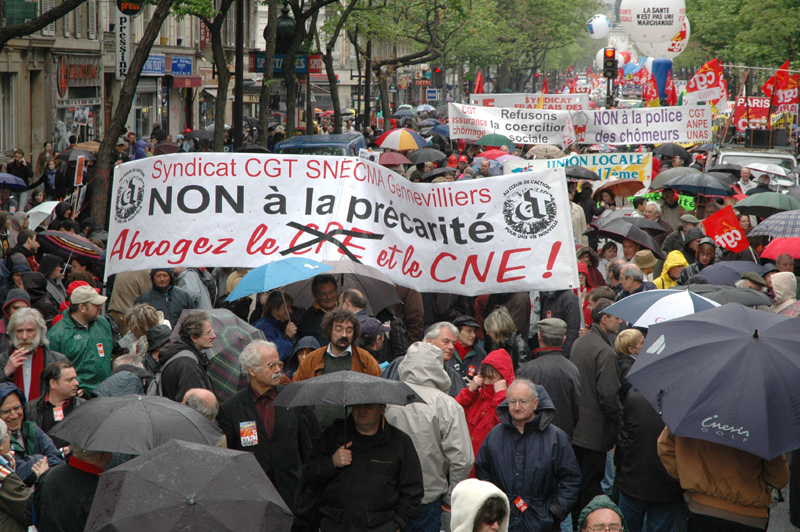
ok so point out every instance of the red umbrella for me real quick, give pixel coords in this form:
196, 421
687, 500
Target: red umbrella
393, 158
782, 246
492, 154
620, 187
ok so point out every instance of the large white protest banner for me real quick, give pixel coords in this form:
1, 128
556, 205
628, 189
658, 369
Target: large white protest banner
504, 234
608, 166
655, 125
523, 126
560, 102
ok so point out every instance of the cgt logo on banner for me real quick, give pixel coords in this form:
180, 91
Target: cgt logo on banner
724, 228
503, 234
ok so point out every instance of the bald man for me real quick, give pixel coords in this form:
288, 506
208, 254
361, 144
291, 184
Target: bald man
354, 301
202, 400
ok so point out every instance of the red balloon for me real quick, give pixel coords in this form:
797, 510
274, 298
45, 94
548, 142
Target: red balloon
626, 56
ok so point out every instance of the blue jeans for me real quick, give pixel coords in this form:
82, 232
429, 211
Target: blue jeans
643, 516
427, 519
608, 481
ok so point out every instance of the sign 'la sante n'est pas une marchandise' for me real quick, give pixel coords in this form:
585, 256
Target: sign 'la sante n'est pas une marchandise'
504, 234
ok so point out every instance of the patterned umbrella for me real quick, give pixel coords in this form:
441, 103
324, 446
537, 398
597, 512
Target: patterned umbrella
401, 139
233, 335
494, 139
781, 225
67, 245
425, 107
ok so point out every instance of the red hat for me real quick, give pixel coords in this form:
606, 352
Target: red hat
75, 284
699, 157
451, 161
187, 130
463, 159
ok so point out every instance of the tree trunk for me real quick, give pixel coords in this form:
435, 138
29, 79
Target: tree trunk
327, 58
266, 81
32, 26
290, 77
309, 45
223, 81
105, 165
368, 84
383, 88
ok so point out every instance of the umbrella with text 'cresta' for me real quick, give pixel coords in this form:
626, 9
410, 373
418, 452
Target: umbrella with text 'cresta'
727, 375
183, 486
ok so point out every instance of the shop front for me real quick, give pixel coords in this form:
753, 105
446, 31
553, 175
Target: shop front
180, 86
147, 103
77, 93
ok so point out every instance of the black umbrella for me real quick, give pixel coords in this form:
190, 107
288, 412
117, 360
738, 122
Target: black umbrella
619, 230
346, 388
201, 134
724, 177
427, 177
252, 148
672, 150
665, 176
729, 168
134, 424
699, 184
640, 222
186, 486
729, 294
164, 148
425, 155
403, 113
73, 154
582, 173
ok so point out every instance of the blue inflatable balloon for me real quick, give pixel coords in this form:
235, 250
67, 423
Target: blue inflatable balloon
661, 69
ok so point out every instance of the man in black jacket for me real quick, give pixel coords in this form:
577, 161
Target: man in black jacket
183, 363
61, 382
564, 305
279, 438
368, 472
323, 288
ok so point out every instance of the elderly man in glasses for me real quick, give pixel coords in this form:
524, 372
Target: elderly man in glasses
183, 363
280, 438
531, 460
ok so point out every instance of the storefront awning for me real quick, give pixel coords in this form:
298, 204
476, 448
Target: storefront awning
213, 93
185, 82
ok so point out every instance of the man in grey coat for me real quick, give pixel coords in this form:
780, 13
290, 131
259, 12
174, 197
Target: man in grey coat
598, 423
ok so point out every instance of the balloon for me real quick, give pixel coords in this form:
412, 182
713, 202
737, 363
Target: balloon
598, 27
652, 21
670, 49
648, 64
626, 58
661, 70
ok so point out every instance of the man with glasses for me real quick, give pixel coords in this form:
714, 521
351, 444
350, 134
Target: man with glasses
531, 460
280, 438
323, 288
338, 353
32, 447
601, 515
183, 363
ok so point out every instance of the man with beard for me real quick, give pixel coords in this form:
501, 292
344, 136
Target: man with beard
60, 398
341, 328
85, 337
28, 355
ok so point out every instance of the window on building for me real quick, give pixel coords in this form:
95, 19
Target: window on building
6, 112
50, 29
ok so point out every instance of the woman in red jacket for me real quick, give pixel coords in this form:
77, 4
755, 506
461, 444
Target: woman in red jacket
484, 394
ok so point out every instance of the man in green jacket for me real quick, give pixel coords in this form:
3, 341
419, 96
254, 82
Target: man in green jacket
85, 337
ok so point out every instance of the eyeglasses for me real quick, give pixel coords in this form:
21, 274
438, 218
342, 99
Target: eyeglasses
7, 411
490, 520
210, 333
520, 402
270, 366
605, 528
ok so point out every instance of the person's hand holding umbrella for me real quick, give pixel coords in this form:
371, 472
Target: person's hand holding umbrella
343, 456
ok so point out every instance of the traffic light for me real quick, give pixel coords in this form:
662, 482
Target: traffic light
609, 63
438, 77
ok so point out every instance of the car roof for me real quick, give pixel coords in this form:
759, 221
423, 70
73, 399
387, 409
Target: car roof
318, 140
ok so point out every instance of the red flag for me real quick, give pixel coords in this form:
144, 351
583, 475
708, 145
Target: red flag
672, 93
708, 77
724, 228
545, 86
777, 80
650, 92
478, 83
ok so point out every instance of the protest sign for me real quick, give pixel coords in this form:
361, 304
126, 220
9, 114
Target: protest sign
504, 234
523, 126
752, 113
558, 102
646, 126
724, 228
609, 166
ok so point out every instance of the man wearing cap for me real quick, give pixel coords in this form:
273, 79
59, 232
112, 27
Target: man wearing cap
85, 337
166, 297
52, 267
373, 332
602, 514
467, 355
463, 162
671, 210
120, 153
677, 239
551, 369
752, 280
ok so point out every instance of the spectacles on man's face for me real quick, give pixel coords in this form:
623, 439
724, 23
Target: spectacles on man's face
210, 334
7, 411
605, 528
521, 402
272, 366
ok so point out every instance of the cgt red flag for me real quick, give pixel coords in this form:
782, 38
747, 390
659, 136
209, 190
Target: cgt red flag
726, 231
478, 83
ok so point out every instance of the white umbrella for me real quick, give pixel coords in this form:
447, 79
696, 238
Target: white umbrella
655, 306
40, 213
773, 169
